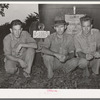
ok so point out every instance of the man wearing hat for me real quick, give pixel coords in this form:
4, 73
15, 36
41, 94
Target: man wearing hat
58, 49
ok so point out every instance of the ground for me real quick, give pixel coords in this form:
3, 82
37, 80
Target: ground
39, 80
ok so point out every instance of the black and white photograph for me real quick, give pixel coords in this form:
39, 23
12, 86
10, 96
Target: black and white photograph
49, 45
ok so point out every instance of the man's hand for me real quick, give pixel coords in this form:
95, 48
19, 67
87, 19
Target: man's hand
97, 55
89, 56
63, 58
60, 57
40, 45
18, 48
22, 63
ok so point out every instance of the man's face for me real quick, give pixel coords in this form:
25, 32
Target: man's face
60, 29
86, 27
16, 31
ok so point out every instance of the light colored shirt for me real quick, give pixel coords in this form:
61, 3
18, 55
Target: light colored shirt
87, 44
10, 43
62, 46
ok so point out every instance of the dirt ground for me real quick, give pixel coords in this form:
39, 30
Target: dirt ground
39, 80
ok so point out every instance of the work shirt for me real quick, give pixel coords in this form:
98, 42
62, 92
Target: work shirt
62, 45
87, 44
11, 44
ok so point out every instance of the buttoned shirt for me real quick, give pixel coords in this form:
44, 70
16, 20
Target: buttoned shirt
87, 44
62, 45
11, 44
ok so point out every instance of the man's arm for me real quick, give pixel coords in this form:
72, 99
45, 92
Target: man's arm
86, 56
55, 54
44, 47
20, 61
47, 51
30, 42
10, 57
70, 48
78, 48
67, 57
60, 56
70, 56
7, 50
28, 45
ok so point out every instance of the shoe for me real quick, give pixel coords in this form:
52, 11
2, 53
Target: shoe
94, 75
50, 75
27, 75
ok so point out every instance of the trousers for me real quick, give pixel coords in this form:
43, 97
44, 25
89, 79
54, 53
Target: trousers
52, 63
93, 64
28, 57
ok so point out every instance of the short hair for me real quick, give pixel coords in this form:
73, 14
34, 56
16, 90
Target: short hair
16, 22
86, 18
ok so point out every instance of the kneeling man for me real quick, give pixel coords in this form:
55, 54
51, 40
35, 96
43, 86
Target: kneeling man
58, 49
87, 44
19, 48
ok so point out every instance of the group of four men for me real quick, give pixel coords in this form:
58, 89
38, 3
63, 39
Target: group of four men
60, 50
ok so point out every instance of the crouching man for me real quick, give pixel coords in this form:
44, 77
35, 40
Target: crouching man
87, 44
19, 48
58, 49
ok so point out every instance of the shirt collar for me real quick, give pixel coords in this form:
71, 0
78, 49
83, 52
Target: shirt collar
89, 35
12, 37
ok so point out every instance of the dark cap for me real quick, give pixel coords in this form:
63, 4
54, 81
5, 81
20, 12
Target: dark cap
59, 20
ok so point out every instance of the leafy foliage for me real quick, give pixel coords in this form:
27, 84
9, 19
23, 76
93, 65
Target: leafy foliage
4, 30
29, 19
2, 7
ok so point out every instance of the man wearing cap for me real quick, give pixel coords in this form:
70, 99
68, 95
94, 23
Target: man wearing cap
87, 44
19, 48
58, 49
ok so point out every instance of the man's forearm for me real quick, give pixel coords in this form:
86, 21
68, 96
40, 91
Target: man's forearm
69, 56
12, 58
30, 45
81, 54
47, 51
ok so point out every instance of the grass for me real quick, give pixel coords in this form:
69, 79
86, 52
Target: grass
39, 80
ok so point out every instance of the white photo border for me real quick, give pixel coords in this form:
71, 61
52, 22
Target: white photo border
45, 93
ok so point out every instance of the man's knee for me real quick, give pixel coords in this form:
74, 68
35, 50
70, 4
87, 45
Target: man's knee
48, 61
10, 67
30, 51
74, 61
11, 71
83, 63
48, 58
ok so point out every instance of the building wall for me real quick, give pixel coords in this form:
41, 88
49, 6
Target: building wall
49, 11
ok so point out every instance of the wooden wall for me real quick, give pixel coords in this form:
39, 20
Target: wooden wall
49, 11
